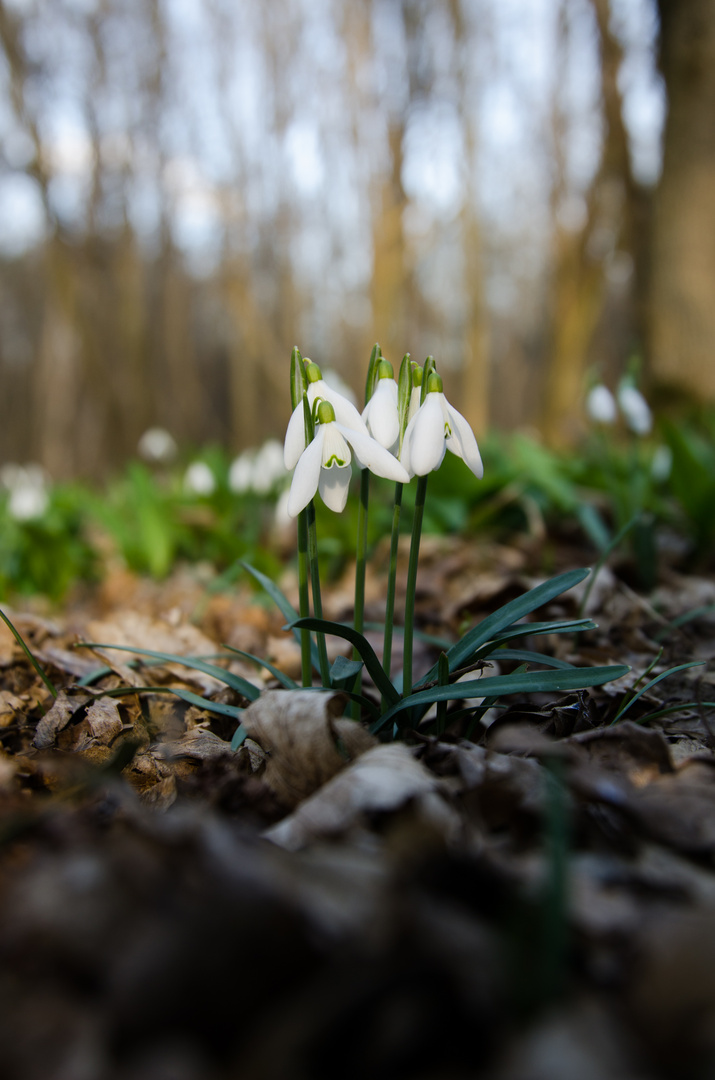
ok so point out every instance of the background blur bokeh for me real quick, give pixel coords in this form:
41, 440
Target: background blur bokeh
188, 188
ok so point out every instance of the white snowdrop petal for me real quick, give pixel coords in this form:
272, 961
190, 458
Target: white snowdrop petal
345, 411
333, 486
462, 441
375, 457
381, 416
427, 444
307, 475
335, 450
294, 443
601, 405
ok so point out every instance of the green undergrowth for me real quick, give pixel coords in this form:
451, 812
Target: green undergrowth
633, 491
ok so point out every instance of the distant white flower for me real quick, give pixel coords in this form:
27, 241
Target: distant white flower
324, 466
268, 467
345, 414
601, 405
435, 428
199, 479
157, 446
27, 484
662, 463
381, 415
635, 409
240, 474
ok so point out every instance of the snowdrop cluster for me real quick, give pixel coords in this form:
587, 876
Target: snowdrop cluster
260, 471
602, 409
28, 488
392, 442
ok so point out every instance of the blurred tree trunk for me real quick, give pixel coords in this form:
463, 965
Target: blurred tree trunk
682, 311
582, 256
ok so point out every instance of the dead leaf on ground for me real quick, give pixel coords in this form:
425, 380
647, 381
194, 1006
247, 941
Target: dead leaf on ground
382, 779
304, 740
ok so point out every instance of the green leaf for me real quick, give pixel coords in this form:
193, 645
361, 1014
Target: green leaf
371, 378
242, 686
528, 682
283, 679
21, 642
217, 707
284, 606
343, 668
658, 678
535, 629
530, 657
239, 737
372, 664
298, 378
463, 651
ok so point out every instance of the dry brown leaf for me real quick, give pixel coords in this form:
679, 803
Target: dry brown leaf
382, 779
304, 740
197, 743
58, 717
104, 720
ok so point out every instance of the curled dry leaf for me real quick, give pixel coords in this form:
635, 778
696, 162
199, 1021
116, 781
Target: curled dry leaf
304, 740
383, 779
104, 720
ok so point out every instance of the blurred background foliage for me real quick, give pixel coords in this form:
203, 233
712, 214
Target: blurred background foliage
522, 188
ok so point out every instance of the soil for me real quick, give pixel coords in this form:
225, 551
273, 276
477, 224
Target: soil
531, 898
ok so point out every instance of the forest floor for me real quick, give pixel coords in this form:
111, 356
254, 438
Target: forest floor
537, 901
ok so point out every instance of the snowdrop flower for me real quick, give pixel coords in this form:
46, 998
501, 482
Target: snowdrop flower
324, 466
435, 428
601, 405
268, 467
199, 479
29, 498
635, 409
157, 446
345, 414
240, 474
380, 414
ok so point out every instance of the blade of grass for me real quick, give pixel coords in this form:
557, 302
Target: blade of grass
659, 678
19, 639
241, 686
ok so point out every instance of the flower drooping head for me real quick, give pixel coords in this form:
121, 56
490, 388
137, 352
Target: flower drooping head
324, 466
345, 413
435, 428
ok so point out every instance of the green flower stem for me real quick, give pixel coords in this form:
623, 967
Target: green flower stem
306, 665
317, 602
391, 582
412, 584
360, 566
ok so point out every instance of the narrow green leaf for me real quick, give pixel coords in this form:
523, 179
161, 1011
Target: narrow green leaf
371, 378
364, 648
298, 379
283, 679
460, 653
217, 707
342, 668
283, 604
528, 682
242, 686
530, 657
652, 683
239, 736
535, 629
21, 642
